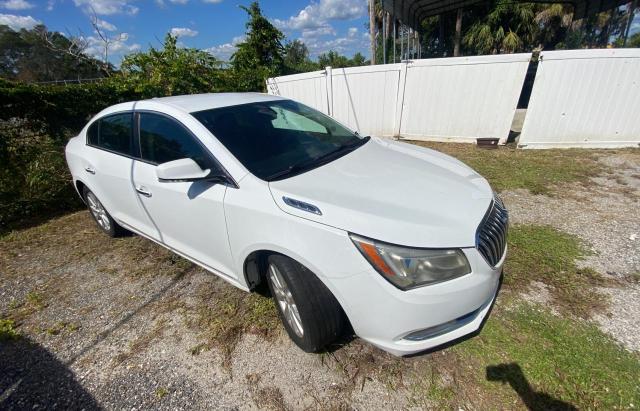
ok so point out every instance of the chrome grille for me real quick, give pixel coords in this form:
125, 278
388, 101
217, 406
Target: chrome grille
491, 237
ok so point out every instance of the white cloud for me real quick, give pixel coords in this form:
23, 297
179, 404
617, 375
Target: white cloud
183, 32
212, 1
107, 7
317, 15
18, 22
348, 45
118, 47
16, 4
50, 4
179, 1
224, 51
325, 30
105, 25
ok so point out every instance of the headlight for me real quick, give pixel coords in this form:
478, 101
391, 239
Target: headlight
407, 267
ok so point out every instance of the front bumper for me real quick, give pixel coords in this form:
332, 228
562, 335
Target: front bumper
408, 322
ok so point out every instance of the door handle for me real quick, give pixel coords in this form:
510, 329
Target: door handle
142, 190
90, 170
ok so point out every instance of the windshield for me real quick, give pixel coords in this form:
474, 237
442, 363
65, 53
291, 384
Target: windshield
278, 139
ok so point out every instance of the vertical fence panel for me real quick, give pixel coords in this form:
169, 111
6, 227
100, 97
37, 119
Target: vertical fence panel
364, 98
585, 98
307, 88
462, 98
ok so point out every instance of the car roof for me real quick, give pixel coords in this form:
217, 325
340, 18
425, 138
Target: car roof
197, 102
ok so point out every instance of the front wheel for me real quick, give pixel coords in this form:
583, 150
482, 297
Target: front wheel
309, 312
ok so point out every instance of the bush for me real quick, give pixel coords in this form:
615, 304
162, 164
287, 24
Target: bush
61, 110
35, 124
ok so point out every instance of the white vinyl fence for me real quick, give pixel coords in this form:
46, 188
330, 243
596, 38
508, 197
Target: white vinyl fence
458, 99
585, 98
580, 98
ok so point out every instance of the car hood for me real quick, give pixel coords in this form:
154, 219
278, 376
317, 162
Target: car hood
393, 192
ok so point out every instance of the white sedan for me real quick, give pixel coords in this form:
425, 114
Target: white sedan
403, 243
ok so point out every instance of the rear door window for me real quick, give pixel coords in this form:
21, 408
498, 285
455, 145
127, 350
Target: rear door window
113, 133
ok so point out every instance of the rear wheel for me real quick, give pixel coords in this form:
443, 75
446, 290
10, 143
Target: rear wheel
309, 312
104, 220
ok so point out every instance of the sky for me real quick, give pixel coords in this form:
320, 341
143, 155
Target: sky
214, 25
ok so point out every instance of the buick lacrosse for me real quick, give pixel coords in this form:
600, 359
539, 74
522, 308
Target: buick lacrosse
401, 243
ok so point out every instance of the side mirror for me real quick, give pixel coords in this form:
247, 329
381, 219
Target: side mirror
183, 170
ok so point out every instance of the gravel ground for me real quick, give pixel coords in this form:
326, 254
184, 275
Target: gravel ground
113, 323
100, 336
606, 216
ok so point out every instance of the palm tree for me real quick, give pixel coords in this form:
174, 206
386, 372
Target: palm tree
506, 28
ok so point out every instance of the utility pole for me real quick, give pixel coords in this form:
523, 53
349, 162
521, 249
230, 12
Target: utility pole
372, 30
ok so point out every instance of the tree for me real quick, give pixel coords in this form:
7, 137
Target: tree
171, 70
41, 55
333, 59
358, 60
296, 58
507, 27
261, 54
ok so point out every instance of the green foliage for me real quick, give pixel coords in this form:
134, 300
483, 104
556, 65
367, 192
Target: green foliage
57, 110
260, 56
296, 58
169, 71
505, 28
8, 330
336, 60
35, 124
33, 173
39, 55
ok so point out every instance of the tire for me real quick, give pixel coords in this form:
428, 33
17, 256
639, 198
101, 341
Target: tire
319, 320
103, 219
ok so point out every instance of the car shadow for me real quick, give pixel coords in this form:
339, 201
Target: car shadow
33, 378
512, 374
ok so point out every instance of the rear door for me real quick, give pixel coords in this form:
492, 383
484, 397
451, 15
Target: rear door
189, 215
108, 170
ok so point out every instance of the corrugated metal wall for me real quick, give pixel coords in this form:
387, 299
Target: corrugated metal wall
584, 98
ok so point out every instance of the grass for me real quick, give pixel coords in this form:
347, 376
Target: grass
545, 360
226, 314
544, 254
539, 171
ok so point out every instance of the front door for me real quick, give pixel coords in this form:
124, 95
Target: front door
188, 215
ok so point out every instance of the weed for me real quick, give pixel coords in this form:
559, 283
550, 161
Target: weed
161, 392
35, 300
8, 330
60, 327
227, 314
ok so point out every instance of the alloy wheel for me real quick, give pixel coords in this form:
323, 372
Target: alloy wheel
285, 300
98, 211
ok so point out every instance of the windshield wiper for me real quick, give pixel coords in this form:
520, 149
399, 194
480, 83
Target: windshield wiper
317, 161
